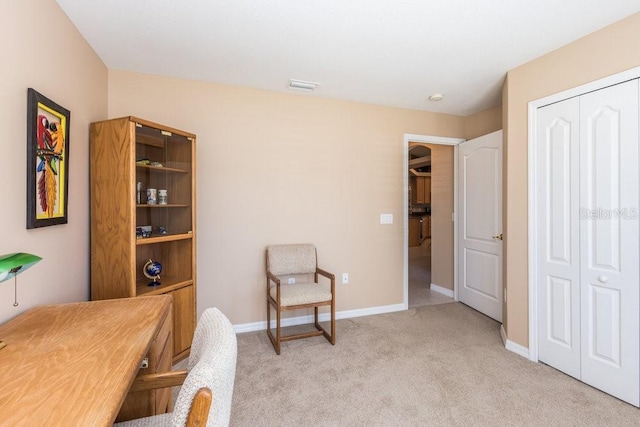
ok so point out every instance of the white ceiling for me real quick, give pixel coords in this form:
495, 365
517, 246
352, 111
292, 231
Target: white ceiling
387, 52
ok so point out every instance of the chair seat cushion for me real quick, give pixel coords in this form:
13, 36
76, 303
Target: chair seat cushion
162, 420
302, 293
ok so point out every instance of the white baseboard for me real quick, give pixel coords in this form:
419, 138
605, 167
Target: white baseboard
301, 320
441, 290
513, 347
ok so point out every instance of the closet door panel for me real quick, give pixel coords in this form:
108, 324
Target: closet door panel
558, 236
609, 240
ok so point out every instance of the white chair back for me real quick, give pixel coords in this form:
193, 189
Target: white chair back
212, 364
291, 259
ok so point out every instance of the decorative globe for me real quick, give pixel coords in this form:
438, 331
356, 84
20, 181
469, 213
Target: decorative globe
152, 270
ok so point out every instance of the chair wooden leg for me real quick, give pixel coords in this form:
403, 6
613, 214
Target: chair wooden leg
315, 317
275, 341
278, 331
330, 337
268, 315
333, 322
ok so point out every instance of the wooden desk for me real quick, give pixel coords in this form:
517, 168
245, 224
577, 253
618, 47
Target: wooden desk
73, 364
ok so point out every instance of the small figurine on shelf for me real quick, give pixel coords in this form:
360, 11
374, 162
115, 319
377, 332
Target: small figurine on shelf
152, 270
162, 230
138, 193
162, 197
143, 231
152, 196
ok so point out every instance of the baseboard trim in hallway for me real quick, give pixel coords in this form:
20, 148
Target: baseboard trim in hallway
441, 290
513, 347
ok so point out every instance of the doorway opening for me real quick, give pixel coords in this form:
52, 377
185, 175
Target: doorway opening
419, 200
430, 255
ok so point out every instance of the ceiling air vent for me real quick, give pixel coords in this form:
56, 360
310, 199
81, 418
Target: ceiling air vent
302, 85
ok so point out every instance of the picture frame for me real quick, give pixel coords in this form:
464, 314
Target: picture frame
47, 161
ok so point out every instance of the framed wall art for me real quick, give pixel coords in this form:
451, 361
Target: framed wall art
47, 161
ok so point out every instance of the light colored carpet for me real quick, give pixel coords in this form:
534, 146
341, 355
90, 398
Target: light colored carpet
435, 365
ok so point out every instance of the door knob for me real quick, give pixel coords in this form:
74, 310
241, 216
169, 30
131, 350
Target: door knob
602, 279
499, 236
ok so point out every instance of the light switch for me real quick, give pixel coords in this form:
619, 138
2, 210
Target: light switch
386, 218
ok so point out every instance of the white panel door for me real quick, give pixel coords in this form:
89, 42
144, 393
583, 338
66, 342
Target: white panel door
610, 240
558, 233
480, 224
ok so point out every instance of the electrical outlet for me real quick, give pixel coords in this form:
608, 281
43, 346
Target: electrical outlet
345, 278
291, 280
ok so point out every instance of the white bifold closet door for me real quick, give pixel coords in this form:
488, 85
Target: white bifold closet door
589, 238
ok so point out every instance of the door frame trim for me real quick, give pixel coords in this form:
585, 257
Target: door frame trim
533, 106
436, 140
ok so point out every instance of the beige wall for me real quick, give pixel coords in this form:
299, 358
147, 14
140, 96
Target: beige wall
441, 210
43, 50
272, 167
279, 168
600, 54
483, 123
265, 160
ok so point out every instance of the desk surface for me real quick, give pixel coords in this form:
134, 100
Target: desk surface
72, 364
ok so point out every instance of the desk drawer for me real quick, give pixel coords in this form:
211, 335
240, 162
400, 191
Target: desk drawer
163, 397
145, 403
158, 348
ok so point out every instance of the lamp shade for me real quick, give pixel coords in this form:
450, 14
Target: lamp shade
13, 264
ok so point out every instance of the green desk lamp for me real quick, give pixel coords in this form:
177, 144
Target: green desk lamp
10, 266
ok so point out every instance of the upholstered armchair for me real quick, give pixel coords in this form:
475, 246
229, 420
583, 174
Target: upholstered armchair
293, 262
207, 383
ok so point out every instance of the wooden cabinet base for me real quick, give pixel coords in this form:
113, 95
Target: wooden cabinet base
414, 232
183, 325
